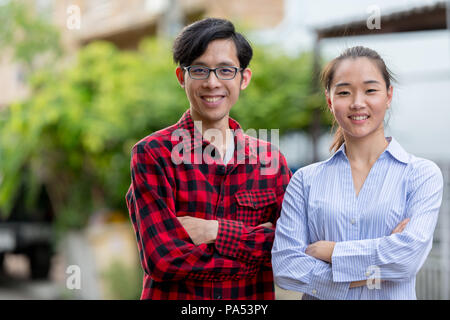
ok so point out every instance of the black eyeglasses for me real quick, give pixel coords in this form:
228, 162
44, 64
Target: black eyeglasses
202, 73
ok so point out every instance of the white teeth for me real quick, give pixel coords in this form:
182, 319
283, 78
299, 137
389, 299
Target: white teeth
214, 99
359, 117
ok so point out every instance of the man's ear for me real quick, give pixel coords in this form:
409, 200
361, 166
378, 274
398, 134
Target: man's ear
246, 76
180, 76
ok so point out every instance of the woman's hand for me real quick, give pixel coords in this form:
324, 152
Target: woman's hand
401, 226
322, 250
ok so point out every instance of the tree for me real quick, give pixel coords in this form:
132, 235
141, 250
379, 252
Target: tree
32, 40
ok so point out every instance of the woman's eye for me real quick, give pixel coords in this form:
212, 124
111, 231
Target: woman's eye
343, 93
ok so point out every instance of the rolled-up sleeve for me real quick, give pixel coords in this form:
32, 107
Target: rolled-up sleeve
293, 269
398, 256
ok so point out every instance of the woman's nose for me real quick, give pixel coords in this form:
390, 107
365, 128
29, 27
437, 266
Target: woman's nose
358, 101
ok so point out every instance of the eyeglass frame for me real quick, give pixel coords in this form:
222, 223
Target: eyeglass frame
214, 70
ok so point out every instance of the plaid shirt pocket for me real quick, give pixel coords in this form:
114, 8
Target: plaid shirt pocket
255, 206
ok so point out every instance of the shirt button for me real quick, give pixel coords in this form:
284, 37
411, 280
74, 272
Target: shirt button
314, 291
353, 221
367, 274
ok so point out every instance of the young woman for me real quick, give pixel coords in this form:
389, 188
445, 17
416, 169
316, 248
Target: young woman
360, 224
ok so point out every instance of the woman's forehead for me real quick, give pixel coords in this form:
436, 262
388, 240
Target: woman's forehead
359, 69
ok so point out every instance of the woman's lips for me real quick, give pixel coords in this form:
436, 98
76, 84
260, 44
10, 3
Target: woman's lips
358, 119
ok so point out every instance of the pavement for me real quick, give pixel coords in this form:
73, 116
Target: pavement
281, 294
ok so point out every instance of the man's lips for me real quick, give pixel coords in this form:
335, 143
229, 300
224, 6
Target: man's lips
212, 99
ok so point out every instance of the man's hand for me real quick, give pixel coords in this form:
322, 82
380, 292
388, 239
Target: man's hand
205, 231
266, 225
322, 250
200, 230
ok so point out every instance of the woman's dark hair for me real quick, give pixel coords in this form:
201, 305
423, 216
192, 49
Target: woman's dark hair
193, 40
328, 75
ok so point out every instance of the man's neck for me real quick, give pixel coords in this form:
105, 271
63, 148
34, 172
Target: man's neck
217, 133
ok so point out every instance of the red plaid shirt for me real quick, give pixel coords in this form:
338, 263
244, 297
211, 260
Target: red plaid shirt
238, 195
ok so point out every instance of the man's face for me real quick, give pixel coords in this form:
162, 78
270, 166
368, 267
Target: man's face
211, 99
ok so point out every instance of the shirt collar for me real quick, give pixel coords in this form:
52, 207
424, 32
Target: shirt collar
241, 140
394, 149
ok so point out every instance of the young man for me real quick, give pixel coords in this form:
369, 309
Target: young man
204, 206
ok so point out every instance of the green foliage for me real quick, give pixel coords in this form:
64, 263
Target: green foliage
27, 34
279, 95
74, 135
123, 282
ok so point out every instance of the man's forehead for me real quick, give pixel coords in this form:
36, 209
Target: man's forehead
219, 52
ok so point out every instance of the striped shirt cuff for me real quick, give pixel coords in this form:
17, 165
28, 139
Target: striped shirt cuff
352, 260
319, 284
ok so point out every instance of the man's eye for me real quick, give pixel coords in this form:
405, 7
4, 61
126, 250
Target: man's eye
226, 70
199, 70
371, 90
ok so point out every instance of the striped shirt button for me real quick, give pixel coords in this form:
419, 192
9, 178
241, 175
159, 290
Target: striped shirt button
314, 291
353, 221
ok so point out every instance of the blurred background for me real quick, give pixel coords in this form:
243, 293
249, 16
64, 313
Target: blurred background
81, 81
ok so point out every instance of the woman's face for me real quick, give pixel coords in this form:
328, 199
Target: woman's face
358, 98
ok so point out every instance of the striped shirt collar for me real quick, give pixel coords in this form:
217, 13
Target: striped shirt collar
394, 149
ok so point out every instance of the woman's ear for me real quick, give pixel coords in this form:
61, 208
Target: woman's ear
246, 76
180, 76
390, 94
327, 95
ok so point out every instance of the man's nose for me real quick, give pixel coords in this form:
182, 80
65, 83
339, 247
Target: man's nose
212, 80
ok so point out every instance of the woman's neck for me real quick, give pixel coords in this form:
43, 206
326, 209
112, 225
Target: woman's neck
365, 150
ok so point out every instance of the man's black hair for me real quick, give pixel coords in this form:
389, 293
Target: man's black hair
193, 40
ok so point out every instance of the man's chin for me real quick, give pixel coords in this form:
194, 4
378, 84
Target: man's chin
211, 116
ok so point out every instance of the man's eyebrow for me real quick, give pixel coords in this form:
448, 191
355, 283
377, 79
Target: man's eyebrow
223, 63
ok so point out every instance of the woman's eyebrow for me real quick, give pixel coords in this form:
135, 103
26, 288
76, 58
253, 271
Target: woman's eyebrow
342, 84
371, 81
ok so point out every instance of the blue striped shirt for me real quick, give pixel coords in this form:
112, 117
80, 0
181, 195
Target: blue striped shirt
320, 203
